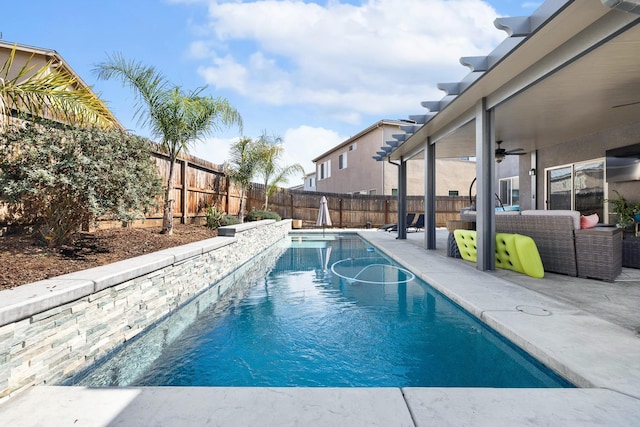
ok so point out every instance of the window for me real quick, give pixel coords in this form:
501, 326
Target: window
324, 170
509, 190
342, 161
353, 146
394, 191
372, 192
577, 186
453, 193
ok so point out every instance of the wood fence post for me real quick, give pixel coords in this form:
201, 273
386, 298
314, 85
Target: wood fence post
184, 198
340, 222
226, 197
291, 197
386, 211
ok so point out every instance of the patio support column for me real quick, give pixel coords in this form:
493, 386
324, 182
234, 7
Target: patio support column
533, 173
402, 199
429, 195
485, 186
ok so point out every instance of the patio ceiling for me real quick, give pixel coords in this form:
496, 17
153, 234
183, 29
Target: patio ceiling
577, 74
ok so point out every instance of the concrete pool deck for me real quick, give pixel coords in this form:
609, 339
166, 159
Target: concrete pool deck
586, 330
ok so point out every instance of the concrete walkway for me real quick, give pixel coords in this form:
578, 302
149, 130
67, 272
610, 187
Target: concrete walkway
584, 329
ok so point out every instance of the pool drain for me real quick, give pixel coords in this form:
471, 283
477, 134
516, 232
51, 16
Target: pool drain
533, 310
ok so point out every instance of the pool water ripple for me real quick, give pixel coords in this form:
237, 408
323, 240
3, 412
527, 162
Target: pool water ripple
301, 325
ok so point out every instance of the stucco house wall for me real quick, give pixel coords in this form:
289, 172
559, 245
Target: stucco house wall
364, 175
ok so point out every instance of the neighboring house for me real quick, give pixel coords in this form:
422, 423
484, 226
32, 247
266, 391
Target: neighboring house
347, 167
564, 87
310, 182
37, 58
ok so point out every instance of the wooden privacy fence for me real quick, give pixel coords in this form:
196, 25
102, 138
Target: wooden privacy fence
199, 184
351, 210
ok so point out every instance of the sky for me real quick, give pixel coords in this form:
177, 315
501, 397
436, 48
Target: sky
313, 72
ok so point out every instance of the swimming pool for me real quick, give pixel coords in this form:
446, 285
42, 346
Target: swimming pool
328, 312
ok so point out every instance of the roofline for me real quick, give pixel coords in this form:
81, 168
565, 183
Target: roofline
392, 122
53, 54
447, 114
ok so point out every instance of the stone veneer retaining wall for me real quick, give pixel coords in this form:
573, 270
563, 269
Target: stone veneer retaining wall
51, 329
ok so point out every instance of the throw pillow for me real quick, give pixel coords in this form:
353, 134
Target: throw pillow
589, 221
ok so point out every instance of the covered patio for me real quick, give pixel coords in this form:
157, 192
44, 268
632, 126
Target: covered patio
564, 87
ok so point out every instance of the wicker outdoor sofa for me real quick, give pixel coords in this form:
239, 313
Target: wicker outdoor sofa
564, 247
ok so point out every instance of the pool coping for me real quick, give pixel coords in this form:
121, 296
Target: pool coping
588, 351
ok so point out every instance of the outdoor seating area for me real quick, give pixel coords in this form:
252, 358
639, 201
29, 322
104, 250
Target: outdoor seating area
415, 226
564, 246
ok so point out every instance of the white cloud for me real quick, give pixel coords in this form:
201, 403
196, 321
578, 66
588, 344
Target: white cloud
226, 73
214, 150
301, 145
305, 143
531, 4
381, 57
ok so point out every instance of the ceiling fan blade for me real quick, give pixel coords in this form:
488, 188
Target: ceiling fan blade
515, 150
628, 104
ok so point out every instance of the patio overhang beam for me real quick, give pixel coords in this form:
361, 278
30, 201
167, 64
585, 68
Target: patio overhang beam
392, 144
631, 6
528, 63
605, 29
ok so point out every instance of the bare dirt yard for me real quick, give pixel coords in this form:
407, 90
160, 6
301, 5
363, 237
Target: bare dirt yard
24, 260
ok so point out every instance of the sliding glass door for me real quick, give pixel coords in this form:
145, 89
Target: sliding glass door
559, 185
578, 186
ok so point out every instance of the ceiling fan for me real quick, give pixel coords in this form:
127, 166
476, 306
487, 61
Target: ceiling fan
501, 152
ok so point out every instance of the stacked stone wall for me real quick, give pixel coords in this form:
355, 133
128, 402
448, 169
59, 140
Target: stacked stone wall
52, 329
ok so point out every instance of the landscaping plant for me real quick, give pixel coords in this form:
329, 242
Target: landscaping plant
257, 215
177, 117
245, 159
59, 179
51, 91
273, 174
215, 217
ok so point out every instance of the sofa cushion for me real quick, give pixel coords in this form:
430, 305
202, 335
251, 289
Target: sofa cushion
575, 215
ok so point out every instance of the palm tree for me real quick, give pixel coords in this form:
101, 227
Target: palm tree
245, 157
178, 118
50, 92
273, 175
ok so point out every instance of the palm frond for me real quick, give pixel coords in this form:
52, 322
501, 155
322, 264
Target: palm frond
150, 87
50, 92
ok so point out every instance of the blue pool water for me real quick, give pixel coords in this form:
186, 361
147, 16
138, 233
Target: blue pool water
332, 312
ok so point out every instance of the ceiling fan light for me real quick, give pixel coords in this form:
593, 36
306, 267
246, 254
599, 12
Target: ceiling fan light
499, 157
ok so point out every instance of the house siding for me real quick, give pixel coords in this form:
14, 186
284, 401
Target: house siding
365, 175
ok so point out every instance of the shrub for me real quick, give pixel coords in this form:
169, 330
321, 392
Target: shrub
215, 217
230, 220
58, 179
257, 215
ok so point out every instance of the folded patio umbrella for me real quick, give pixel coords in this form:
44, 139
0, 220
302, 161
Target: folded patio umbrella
324, 218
